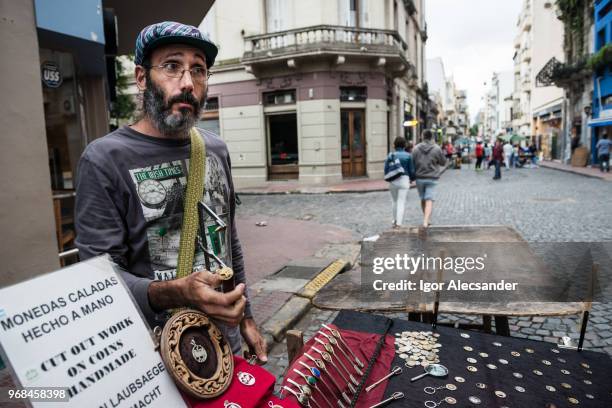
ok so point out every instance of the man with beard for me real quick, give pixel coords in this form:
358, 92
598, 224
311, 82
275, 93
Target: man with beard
131, 183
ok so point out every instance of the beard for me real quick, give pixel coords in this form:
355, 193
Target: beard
171, 124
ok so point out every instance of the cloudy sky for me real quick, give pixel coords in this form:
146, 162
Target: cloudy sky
474, 38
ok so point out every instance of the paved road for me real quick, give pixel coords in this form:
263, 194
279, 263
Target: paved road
543, 205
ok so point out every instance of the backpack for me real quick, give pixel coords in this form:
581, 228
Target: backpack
393, 168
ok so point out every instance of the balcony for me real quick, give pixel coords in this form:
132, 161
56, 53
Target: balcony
383, 48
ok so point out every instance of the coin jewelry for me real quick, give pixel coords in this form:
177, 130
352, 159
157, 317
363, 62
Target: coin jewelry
474, 400
460, 379
334, 342
301, 398
321, 365
328, 359
481, 386
337, 335
434, 404
317, 374
432, 390
331, 352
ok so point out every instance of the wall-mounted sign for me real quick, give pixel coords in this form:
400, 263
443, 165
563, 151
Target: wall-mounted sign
51, 75
78, 331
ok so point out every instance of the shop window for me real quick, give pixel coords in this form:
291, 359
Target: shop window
279, 98
210, 118
353, 94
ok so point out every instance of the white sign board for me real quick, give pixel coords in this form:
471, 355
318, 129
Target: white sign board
78, 328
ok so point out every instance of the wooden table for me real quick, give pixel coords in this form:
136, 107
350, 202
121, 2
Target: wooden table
344, 292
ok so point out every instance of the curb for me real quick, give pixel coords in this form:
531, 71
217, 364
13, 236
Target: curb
572, 172
301, 302
298, 192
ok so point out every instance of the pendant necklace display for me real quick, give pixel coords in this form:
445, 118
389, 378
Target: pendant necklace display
194, 350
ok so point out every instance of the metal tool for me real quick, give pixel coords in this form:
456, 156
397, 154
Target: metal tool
327, 357
393, 397
396, 370
225, 272
334, 342
221, 225
321, 365
332, 352
314, 372
337, 335
301, 398
435, 370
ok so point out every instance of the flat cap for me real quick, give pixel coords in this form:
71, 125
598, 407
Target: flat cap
170, 32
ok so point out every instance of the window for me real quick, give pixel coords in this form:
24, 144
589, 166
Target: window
353, 94
352, 13
278, 15
279, 98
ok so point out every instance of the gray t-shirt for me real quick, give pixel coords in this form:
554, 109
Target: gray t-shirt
129, 204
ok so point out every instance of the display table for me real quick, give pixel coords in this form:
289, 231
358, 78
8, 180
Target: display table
524, 373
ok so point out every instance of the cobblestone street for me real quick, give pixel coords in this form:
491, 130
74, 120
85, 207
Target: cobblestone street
543, 205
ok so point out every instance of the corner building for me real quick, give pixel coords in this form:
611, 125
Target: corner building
315, 91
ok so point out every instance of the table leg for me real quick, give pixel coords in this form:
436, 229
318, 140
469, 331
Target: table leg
486, 323
501, 326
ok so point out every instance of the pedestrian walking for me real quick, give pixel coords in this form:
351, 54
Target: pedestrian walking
488, 152
507, 154
497, 158
428, 161
603, 153
533, 150
479, 151
400, 164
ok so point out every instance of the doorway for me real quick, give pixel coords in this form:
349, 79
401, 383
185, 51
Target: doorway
352, 124
283, 161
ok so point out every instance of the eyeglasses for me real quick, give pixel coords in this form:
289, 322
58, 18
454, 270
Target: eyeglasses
174, 70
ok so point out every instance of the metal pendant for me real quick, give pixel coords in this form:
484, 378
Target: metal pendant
246, 378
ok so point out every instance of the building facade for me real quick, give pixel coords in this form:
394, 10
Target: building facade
601, 120
315, 91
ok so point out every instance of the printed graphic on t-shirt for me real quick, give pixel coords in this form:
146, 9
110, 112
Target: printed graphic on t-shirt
161, 189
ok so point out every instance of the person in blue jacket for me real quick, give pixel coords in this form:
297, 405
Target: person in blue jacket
399, 187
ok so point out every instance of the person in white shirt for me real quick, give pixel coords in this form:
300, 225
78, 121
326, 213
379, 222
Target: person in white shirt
507, 154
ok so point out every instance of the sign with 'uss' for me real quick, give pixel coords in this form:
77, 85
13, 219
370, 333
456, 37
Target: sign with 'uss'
78, 329
51, 75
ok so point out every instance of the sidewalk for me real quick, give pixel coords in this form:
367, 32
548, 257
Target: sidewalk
582, 171
361, 185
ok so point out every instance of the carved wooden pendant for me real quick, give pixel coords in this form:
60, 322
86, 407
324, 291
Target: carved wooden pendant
196, 354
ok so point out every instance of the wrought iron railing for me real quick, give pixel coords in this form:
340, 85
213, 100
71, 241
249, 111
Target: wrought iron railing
324, 36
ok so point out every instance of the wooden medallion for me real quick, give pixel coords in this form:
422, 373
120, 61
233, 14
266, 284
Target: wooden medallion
196, 354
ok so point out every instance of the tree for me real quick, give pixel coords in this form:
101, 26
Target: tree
124, 106
474, 130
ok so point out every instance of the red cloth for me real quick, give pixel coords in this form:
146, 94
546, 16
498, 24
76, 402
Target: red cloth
254, 396
363, 345
479, 150
498, 152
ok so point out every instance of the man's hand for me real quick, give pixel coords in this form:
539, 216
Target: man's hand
198, 291
254, 339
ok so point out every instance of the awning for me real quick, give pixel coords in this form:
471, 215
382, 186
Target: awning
600, 122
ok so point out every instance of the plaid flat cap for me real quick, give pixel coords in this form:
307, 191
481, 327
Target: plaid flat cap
169, 32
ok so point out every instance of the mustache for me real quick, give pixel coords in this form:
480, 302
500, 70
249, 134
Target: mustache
185, 97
